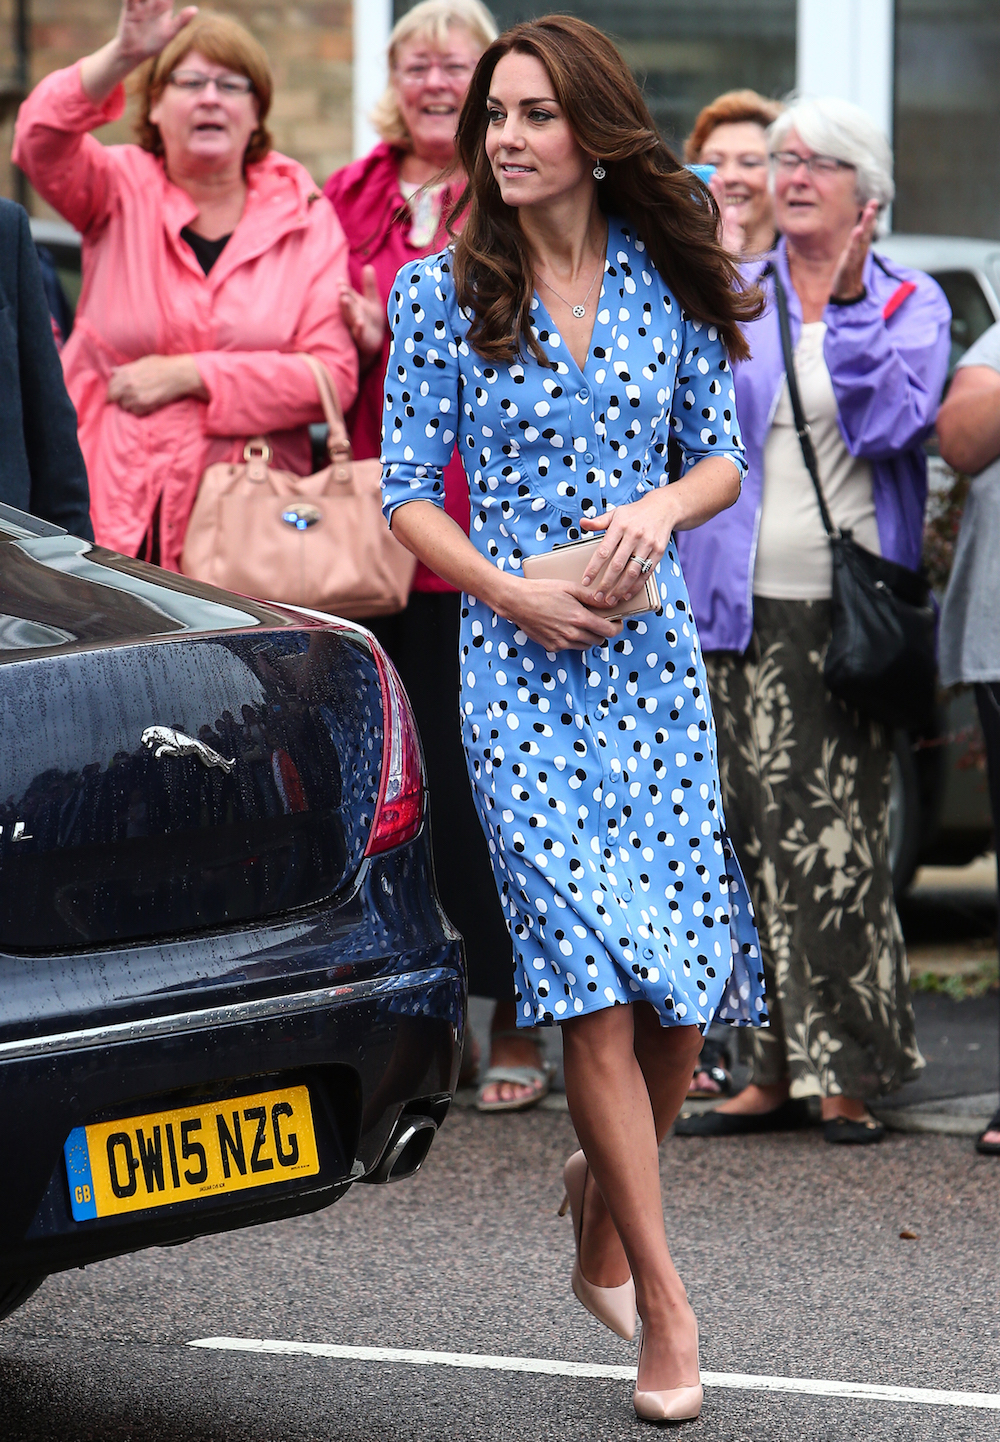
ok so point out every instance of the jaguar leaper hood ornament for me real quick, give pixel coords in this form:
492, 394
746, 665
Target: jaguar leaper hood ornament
165, 741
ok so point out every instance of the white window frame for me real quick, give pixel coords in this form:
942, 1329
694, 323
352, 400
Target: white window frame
846, 48
372, 24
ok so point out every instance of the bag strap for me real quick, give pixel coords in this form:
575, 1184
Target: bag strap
798, 415
338, 441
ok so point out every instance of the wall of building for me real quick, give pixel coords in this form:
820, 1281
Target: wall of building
947, 110
309, 43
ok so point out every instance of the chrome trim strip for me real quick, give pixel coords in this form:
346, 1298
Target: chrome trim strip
238, 1014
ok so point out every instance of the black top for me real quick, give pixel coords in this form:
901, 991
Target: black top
207, 252
41, 468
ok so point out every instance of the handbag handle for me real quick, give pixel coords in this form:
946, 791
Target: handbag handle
338, 442
798, 415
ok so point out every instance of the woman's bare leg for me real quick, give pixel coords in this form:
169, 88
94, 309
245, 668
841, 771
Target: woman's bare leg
508, 1050
667, 1075
614, 1113
667, 1068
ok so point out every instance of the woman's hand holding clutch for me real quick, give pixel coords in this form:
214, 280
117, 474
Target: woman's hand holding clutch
635, 538
555, 614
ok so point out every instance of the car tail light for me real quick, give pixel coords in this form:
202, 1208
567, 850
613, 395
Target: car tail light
400, 807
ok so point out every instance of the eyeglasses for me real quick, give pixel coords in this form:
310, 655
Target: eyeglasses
788, 162
193, 82
417, 73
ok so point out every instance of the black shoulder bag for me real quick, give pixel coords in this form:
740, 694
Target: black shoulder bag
880, 659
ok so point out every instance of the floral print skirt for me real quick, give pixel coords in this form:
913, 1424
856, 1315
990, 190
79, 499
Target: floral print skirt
806, 792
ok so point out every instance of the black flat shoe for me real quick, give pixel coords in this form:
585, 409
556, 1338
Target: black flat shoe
989, 1149
787, 1117
844, 1131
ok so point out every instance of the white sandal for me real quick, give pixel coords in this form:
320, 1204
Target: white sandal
539, 1078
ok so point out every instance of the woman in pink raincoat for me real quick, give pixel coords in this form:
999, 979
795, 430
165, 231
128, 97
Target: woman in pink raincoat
208, 262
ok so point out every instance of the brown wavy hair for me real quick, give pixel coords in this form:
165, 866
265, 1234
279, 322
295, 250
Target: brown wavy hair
224, 41
674, 215
733, 108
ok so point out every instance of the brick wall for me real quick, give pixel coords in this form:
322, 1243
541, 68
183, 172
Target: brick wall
309, 44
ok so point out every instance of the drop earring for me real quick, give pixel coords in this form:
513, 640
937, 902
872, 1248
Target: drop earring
599, 171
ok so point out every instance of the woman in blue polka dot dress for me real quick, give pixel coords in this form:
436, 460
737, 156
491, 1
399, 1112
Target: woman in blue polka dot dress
550, 343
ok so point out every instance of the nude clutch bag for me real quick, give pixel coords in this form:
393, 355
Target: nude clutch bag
568, 563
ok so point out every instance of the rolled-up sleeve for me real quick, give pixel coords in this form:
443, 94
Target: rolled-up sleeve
75, 173
888, 371
422, 388
703, 415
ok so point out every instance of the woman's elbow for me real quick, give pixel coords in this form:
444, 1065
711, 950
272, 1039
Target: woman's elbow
732, 486
964, 456
955, 449
400, 520
959, 443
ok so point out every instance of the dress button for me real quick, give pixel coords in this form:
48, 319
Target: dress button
583, 395
589, 458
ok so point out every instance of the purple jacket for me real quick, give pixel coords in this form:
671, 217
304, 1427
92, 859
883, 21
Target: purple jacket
888, 359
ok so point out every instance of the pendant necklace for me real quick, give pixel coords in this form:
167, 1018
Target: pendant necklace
578, 310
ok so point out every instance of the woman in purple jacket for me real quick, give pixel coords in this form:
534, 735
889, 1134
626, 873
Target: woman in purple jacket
806, 781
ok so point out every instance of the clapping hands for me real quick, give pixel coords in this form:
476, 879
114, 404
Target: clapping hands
364, 314
848, 278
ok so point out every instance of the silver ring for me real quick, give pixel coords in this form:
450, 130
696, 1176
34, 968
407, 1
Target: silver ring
644, 565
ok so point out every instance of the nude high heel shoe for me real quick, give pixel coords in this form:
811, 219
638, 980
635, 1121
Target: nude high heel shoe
614, 1306
674, 1404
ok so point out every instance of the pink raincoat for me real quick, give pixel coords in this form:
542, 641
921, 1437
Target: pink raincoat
273, 291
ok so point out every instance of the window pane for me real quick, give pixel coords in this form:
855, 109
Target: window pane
947, 129
685, 52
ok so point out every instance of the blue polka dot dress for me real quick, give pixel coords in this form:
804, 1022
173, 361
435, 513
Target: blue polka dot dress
594, 772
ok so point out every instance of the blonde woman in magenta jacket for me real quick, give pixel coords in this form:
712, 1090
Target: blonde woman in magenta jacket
208, 262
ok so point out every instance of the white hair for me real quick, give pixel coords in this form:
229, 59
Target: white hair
430, 20
842, 130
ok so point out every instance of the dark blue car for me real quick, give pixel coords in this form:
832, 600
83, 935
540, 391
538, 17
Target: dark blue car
227, 988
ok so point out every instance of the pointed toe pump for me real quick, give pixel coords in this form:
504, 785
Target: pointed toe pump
679, 1404
614, 1306
675, 1404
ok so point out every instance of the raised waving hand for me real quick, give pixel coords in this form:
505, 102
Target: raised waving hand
144, 28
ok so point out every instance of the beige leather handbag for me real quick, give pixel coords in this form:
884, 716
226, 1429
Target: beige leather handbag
318, 540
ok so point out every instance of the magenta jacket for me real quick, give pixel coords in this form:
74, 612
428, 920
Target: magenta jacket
376, 221
888, 359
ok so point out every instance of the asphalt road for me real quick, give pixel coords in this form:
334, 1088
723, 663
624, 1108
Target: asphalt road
791, 1251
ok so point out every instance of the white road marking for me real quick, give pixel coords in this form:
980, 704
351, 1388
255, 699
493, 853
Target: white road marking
814, 1387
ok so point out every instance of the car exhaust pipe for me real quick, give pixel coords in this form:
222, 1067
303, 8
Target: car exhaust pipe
409, 1143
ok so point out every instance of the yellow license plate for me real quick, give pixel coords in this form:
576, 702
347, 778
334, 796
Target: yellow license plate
199, 1151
